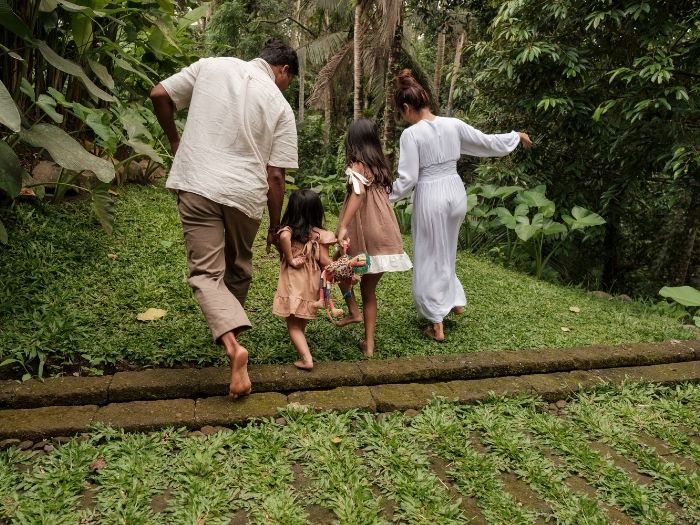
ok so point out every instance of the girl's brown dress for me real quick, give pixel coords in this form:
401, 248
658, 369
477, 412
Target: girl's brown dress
298, 288
374, 229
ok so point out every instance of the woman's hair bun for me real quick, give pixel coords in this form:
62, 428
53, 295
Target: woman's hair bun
405, 79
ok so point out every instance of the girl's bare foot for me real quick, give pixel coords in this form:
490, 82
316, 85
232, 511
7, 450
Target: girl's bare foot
348, 319
458, 310
304, 365
365, 349
240, 382
436, 335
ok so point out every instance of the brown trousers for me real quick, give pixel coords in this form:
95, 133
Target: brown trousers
219, 243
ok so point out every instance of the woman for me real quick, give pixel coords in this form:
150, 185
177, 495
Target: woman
428, 155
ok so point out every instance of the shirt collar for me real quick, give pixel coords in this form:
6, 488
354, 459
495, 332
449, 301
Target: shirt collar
264, 66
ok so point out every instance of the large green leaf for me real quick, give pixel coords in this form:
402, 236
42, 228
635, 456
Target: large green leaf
134, 124
81, 27
506, 217
554, 228
102, 73
9, 114
166, 29
685, 295
47, 6
48, 105
11, 170
103, 206
535, 199
194, 15
503, 192
696, 319
526, 230
74, 69
583, 218
145, 149
66, 151
10, 21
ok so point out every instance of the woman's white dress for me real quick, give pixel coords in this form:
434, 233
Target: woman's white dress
428, 156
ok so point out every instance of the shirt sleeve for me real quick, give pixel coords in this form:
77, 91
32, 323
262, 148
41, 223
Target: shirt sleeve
474, 142
408, 168
284, 142
180, 85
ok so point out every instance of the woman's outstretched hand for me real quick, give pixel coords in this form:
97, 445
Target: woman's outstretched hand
525, 140
342, 236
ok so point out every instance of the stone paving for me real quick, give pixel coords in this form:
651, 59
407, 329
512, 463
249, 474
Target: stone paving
153, 399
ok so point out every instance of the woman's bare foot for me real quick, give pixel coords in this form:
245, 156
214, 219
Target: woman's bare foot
303, 365
436, 334
458, 310
348, 319
365, 349
240, 382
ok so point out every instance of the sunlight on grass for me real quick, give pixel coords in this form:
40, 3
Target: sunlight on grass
73, 294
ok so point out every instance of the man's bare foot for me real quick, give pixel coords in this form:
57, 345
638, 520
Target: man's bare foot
458, 310
240, 382
366, 350
348, 319
431, 333
303, 365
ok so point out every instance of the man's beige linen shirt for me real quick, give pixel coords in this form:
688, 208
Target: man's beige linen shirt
238, 123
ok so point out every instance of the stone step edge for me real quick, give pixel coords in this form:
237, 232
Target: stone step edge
169, 383
45, 422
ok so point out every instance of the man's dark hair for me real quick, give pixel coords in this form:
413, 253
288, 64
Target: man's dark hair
276, 53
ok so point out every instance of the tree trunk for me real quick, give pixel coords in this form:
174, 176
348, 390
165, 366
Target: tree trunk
296, 43
357, 63
686, 237
455, 70
327, 118
439, 59
392, 71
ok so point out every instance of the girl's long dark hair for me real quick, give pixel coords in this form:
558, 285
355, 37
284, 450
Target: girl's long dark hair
362, 145
304, 212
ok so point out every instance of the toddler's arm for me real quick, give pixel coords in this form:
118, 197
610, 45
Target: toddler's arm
286, 247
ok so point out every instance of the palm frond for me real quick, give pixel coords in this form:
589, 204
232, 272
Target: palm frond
322, 49
328, 73
392, 10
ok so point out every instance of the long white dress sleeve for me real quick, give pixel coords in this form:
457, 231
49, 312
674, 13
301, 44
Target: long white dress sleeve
474, 142
408, 168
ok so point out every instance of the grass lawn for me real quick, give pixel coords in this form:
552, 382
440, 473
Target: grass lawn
614, 454
72, 294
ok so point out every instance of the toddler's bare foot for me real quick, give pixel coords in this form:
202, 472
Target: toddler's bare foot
240, 382
348, 319
366, 350
458, 310
304, 365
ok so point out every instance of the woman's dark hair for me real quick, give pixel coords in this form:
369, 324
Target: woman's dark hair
409, 91
277, 53
362, 145
304, 211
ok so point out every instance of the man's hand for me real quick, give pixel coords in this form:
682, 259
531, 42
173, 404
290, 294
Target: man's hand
174, 145
272, 240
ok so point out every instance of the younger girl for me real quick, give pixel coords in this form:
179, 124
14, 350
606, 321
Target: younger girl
304, 252
368, 224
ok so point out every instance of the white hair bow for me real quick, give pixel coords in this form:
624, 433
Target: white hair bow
356, 179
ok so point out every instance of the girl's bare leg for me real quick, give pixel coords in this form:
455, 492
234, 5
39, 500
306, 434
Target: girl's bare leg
457, 310
296, 327
354, 315
368, 288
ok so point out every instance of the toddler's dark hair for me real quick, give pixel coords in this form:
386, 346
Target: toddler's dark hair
362, 145
304, 212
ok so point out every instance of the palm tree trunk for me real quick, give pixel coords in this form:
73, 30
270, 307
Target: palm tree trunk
296, 43
439, 60
357, 63
392, 70
455, 70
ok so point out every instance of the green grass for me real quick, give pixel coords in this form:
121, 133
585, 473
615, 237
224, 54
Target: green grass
72, 294
363, 469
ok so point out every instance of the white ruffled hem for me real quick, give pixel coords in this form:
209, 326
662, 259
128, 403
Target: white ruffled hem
389, 263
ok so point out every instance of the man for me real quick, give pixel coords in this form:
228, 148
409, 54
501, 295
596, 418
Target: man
239, 138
